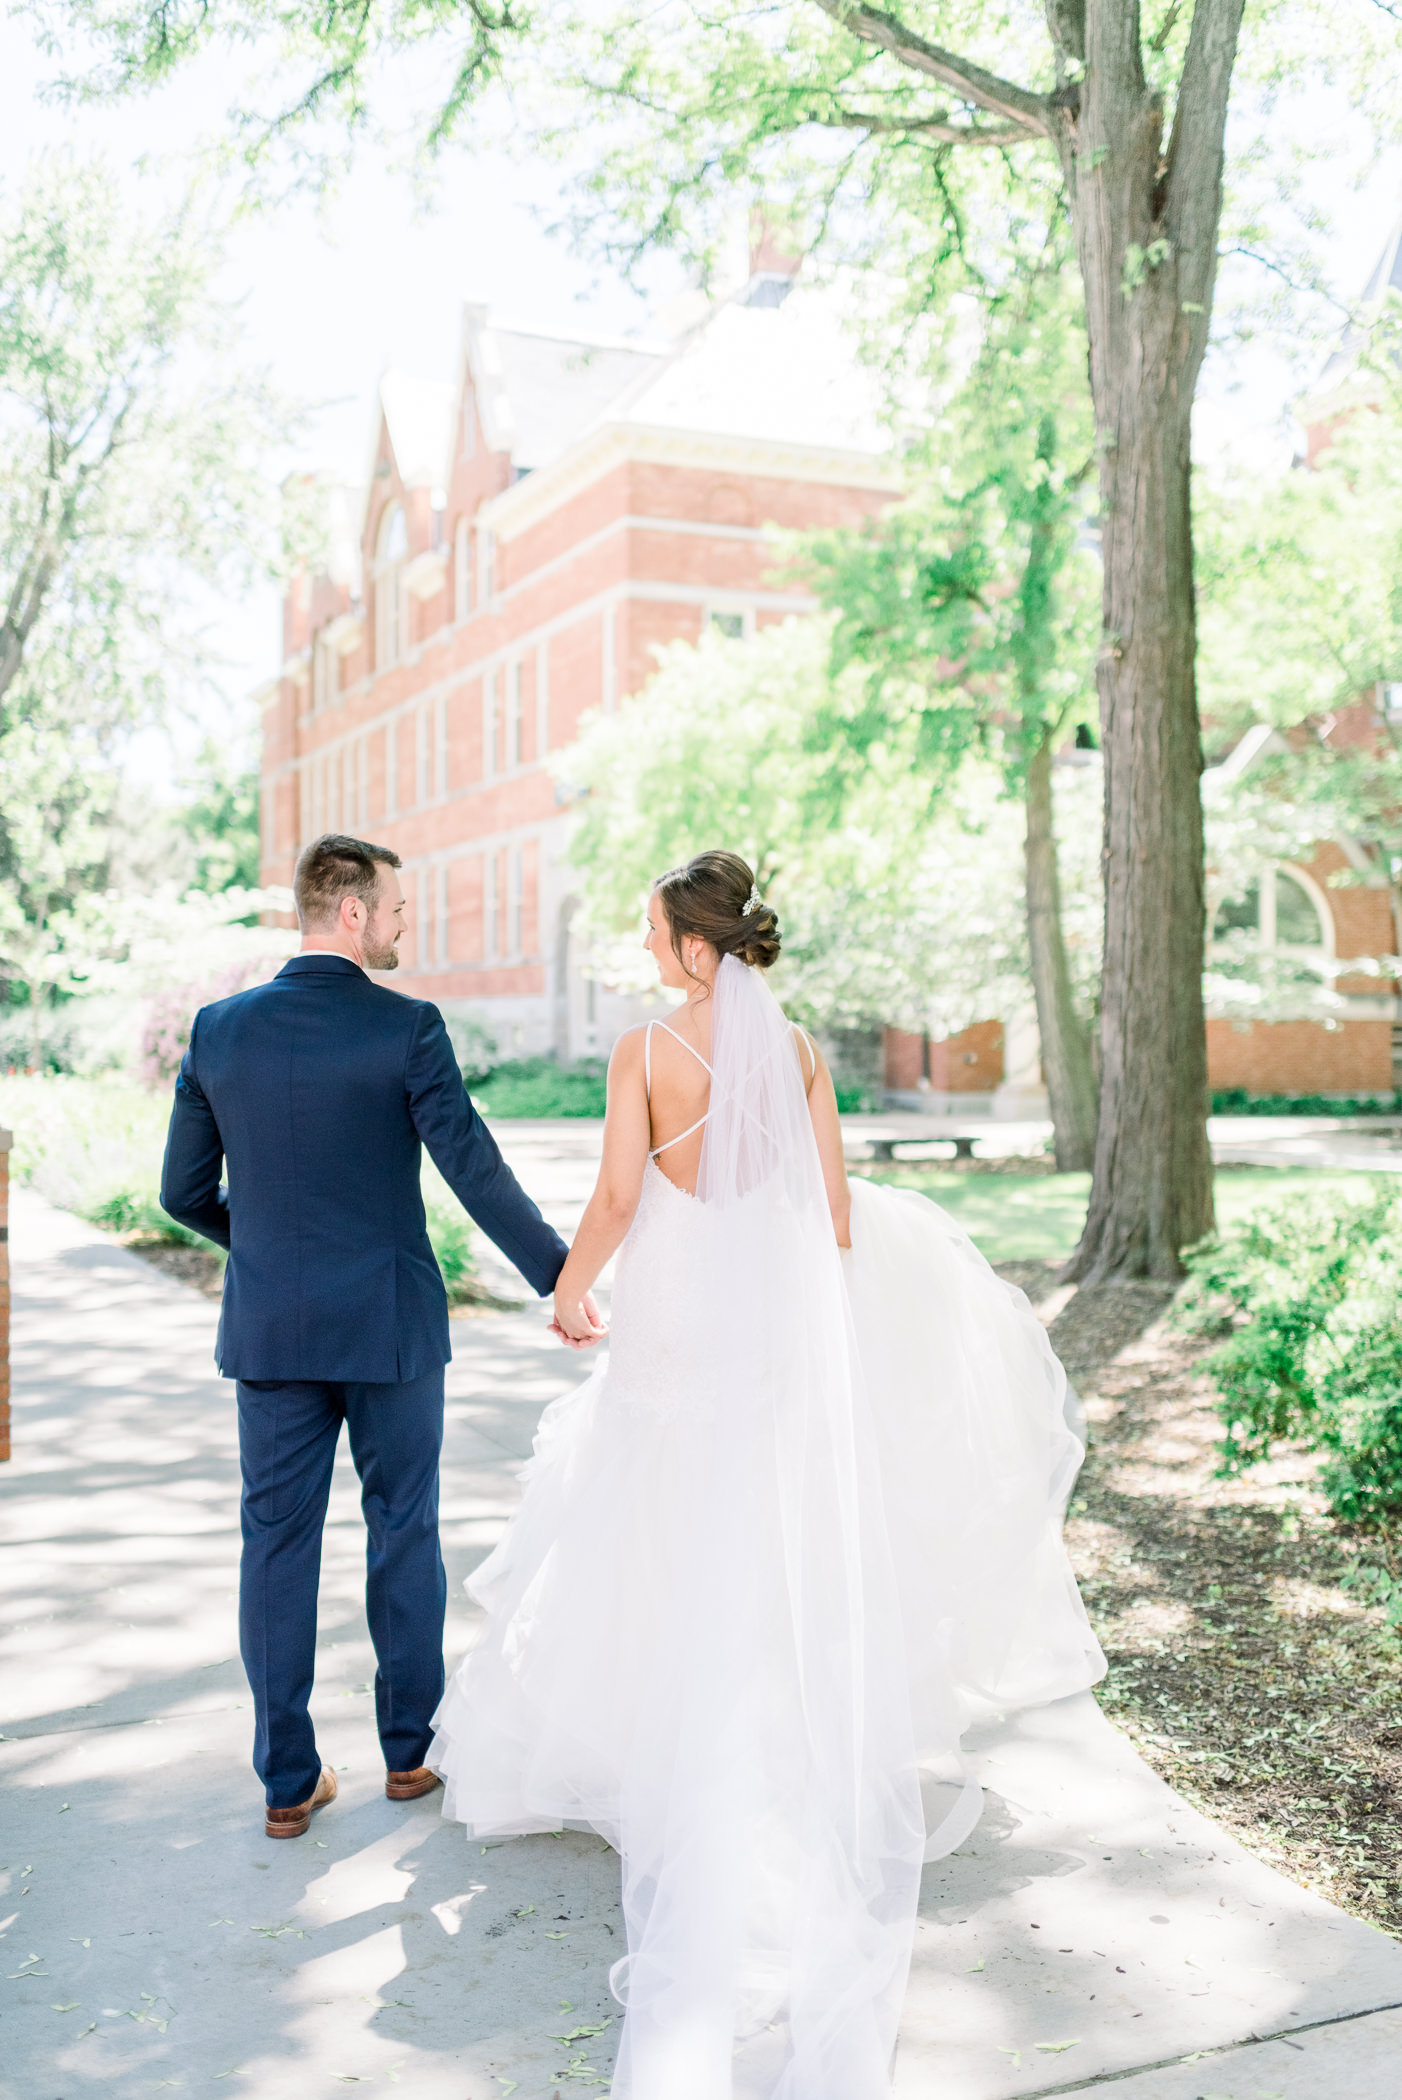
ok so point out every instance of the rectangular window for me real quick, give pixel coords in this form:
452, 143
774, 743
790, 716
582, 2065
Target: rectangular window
489, 725
730, 624
542, 699
362, 783
513, 902
304, 814
391, 768
489, 906
440, 904
610, 664
420, 756
423, 938
513, 715
486, 563
440, 746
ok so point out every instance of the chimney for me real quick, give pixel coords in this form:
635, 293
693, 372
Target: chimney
776, 257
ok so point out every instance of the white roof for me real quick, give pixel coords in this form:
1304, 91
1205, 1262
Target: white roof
789, 374
538, 391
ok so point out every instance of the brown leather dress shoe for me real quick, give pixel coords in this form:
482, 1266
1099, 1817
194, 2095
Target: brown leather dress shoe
295, 1822
407, 1786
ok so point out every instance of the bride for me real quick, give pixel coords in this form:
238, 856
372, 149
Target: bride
797, 1530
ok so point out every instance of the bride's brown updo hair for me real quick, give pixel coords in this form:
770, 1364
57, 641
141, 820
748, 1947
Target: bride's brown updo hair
706, 899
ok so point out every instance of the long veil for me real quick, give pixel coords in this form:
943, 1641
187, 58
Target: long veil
770, 1817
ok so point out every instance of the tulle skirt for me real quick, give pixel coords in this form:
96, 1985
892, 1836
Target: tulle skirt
754, 1689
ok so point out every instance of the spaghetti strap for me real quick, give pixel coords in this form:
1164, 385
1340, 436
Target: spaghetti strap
807, 1042
647, 1081
677, 1039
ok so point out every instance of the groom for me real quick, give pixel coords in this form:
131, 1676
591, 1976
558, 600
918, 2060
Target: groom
319, 1090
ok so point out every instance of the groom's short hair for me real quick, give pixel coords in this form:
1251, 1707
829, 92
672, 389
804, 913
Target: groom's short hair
333, 867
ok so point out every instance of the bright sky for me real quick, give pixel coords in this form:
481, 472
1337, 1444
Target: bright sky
333, 294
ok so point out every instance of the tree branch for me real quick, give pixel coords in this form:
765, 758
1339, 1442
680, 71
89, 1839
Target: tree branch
1030, 113
940, 127
1196, 150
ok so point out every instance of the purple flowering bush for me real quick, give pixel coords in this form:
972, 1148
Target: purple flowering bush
170, 1015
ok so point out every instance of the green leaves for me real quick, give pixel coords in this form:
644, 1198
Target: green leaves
1307, 1291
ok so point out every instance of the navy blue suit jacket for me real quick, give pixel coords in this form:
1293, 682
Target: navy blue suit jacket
319, 1090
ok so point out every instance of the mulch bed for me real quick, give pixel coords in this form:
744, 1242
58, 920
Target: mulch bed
1243, 1670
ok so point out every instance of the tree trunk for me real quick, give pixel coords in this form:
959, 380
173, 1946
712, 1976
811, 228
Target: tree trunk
1146, 223
1066, 1059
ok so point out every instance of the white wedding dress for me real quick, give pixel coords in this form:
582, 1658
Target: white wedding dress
801, 1524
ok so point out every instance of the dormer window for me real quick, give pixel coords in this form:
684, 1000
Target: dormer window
392, 549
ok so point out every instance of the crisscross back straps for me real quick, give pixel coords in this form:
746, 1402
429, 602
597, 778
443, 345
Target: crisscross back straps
647, 1080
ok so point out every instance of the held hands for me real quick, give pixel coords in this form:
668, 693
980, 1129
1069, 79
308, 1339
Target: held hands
577, 1321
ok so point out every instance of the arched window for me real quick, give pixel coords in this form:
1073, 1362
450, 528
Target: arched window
1281, 910
1298, 920
462, 570
391, 548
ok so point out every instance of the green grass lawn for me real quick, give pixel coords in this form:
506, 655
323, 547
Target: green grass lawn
1038, 1217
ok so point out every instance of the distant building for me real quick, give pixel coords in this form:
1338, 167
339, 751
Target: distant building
526, 539
1300, 911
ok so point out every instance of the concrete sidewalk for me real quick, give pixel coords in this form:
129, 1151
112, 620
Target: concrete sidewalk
1093, 1931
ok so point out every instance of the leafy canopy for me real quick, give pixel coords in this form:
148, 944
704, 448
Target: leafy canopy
891, 913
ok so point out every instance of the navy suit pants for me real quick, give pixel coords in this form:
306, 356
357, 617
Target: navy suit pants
287, 1445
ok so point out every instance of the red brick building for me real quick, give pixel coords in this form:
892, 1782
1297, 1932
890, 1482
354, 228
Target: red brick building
525, 540
1300, 910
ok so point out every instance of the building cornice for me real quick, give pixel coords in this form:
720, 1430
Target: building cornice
426, 574
608, 445
344, 632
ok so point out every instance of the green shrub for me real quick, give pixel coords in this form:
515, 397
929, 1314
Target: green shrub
1307, 1293
1235, 1101
537, 1086
138, 1211
450, 1235
854, 1100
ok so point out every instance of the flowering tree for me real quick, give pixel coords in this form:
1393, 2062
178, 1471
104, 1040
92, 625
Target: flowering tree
895, 907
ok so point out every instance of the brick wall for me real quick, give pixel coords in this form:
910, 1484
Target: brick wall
1300, 1057
4, 1294
968, 1063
